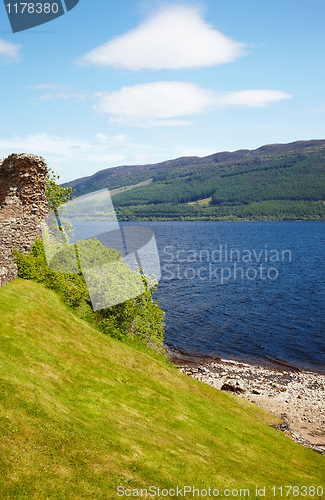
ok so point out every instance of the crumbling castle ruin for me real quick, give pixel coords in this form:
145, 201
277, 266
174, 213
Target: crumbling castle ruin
22, 207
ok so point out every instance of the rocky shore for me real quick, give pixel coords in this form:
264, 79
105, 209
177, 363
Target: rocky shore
297, 397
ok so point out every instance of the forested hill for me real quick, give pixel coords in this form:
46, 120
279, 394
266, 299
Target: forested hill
273, 182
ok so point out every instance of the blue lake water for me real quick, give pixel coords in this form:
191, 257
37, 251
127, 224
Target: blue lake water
243, 290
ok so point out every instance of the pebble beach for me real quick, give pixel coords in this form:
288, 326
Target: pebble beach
296, 397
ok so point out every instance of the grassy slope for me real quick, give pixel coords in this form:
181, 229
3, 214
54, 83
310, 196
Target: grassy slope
81, 413
122, 189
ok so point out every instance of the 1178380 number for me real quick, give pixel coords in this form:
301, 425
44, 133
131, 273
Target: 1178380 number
32, 8
302, 491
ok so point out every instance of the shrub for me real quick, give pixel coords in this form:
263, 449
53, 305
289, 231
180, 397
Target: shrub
139, 317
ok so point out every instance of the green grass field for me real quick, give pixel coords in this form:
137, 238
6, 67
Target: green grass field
81, 414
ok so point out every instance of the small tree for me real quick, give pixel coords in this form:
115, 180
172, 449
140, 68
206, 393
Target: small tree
56, 195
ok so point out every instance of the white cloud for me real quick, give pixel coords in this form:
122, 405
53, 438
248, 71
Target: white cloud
153, 103
168, 103
177, 37
10, 51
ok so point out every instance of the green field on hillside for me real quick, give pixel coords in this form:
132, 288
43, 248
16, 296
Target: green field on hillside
82, 413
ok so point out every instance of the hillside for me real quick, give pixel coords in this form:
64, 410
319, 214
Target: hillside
277, 182
82, 413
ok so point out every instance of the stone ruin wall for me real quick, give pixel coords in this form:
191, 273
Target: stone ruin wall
22, 207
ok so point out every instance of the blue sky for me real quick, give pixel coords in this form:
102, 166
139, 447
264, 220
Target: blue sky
133, 82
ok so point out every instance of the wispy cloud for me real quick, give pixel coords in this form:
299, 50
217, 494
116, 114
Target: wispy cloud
318, 109
168, 103
76, 157
67, 147
258, 98
10, 51
177, 37
59, 92
50, 86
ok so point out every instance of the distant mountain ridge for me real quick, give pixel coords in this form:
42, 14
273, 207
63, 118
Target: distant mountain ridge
272, 177
112, 174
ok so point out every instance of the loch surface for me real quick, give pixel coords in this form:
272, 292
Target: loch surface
243, 290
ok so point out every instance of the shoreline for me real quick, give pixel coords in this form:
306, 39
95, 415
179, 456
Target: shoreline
295, 396
177, 356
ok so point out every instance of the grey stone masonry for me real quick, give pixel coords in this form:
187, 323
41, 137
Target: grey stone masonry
23, 205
